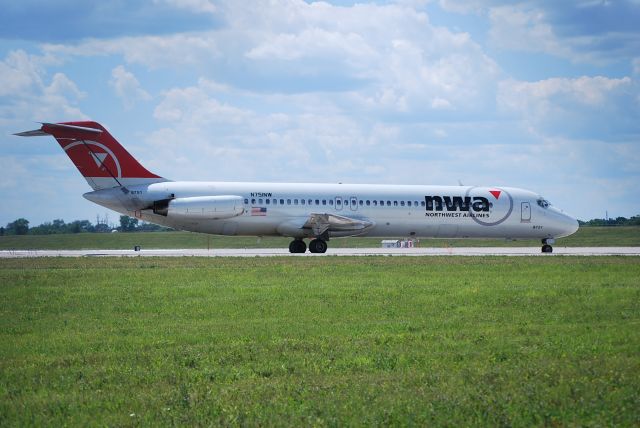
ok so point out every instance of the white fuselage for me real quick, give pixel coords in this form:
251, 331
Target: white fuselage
281, 209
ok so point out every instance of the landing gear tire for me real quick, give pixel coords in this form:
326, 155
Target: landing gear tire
297, 246
318, 246
546, 248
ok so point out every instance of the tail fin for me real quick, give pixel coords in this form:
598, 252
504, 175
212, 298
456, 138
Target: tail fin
102, 161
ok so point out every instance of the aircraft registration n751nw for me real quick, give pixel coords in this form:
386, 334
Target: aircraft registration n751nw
302, 210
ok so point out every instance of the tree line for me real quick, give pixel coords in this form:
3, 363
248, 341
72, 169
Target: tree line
58, 226
618, 221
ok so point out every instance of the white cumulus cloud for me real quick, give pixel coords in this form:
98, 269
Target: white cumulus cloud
204, 6
578, 106
395, 59
127, 87
28, 94
522, 28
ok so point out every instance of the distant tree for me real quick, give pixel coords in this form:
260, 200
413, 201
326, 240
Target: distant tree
79, 226
143, 226
85, 226
74, 227
43, 229
102, 228
2, 231
128, 224
18, 227
618, 221
58, 226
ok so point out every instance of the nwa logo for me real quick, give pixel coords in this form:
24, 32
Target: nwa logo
457, 203
477, 208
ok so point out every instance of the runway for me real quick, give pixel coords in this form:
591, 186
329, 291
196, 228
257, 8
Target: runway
283, 252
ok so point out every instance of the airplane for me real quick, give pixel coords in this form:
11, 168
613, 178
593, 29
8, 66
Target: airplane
313, 211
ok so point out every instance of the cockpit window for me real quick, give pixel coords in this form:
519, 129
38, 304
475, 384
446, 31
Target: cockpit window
543, 203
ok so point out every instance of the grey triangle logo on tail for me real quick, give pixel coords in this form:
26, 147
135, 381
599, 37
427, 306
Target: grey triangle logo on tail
99, 158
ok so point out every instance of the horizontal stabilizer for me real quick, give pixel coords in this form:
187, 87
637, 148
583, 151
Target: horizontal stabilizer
49, 128
34, 133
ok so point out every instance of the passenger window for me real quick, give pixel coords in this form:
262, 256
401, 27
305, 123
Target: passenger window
260, 201
275, 202
422, 204
389, 203
375, 203
302, 201
338, 202
361, 202
415, 203
401, 203
267, 201
368, 202
317, 201
288, 201
408, 203
295, 202
253, 201
330, 201
382, 203
310, 202
281, 201
324, 202
246, 201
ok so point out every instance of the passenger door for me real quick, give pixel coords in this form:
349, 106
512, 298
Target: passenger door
525, 215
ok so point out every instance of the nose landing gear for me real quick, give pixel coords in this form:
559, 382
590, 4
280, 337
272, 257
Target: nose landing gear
546, 245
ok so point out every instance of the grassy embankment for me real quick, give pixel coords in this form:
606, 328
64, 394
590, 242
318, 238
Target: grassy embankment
586, 236
320, 341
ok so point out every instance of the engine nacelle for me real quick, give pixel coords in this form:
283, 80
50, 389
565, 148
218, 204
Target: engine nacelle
201, 207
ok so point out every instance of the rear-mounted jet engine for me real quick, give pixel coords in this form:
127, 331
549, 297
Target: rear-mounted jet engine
200, 207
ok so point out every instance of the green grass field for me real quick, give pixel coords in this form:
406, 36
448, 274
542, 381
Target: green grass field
586, 236
320, 341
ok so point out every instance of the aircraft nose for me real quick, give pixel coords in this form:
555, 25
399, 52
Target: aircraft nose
569, 225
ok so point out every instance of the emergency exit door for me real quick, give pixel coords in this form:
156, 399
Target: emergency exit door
353, 203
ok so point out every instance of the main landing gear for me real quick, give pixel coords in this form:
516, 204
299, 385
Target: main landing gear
546, 245
297, 246
318, 246
315, 246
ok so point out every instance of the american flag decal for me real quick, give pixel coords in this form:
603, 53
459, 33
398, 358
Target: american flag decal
258, 211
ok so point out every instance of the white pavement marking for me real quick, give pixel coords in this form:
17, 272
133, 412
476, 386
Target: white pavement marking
270, 252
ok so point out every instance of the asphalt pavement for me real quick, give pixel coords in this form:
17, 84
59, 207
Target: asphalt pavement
270, 252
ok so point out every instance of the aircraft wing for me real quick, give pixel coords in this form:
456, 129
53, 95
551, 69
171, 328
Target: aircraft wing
319, 223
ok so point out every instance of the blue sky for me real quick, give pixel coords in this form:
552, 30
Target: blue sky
542, 95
